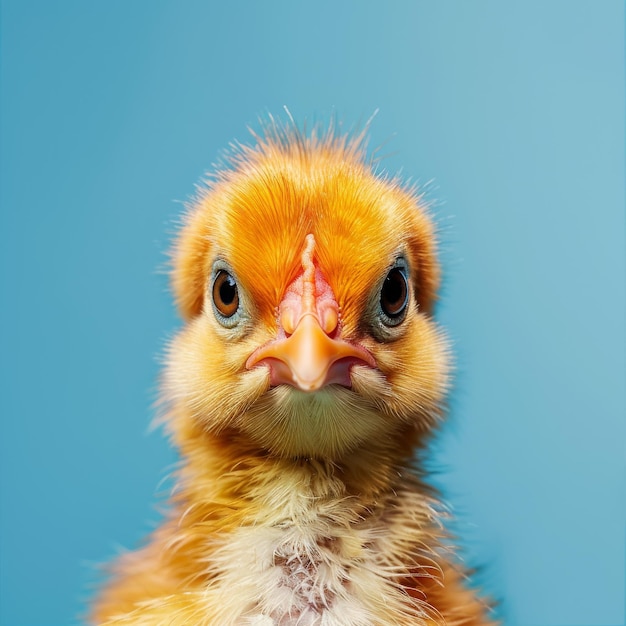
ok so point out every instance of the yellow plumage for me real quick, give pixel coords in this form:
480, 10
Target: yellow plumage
296, 502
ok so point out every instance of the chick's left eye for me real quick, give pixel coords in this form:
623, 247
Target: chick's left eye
394, 295
225, 294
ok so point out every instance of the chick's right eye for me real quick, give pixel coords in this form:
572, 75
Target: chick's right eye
225, 294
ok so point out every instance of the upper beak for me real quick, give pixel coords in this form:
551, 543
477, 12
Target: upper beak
309, 358
307, 352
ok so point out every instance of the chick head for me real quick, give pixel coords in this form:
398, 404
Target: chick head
307, 283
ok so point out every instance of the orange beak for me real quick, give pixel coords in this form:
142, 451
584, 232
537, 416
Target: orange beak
307, 352
309, 359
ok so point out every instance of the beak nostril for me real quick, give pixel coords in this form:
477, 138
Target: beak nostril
330, 320
288, 320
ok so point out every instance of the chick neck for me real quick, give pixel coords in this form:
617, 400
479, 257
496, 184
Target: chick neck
228, 467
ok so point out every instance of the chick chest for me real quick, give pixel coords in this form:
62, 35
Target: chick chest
324, 556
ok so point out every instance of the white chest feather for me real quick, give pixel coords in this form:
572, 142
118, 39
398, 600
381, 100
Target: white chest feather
320, 571
289, 576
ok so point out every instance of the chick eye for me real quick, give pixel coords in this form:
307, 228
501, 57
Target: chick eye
225, 294
394, 296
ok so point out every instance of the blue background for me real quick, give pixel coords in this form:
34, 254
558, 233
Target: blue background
112, 111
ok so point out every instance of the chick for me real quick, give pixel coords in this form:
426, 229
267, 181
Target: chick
308, 373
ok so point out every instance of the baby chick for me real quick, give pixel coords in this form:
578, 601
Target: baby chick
307, 374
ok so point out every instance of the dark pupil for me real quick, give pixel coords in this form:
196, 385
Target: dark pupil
394, 293
228, 290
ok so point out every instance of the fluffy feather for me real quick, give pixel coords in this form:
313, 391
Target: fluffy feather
299, 507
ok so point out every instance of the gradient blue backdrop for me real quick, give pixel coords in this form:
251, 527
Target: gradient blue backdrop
111, 111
